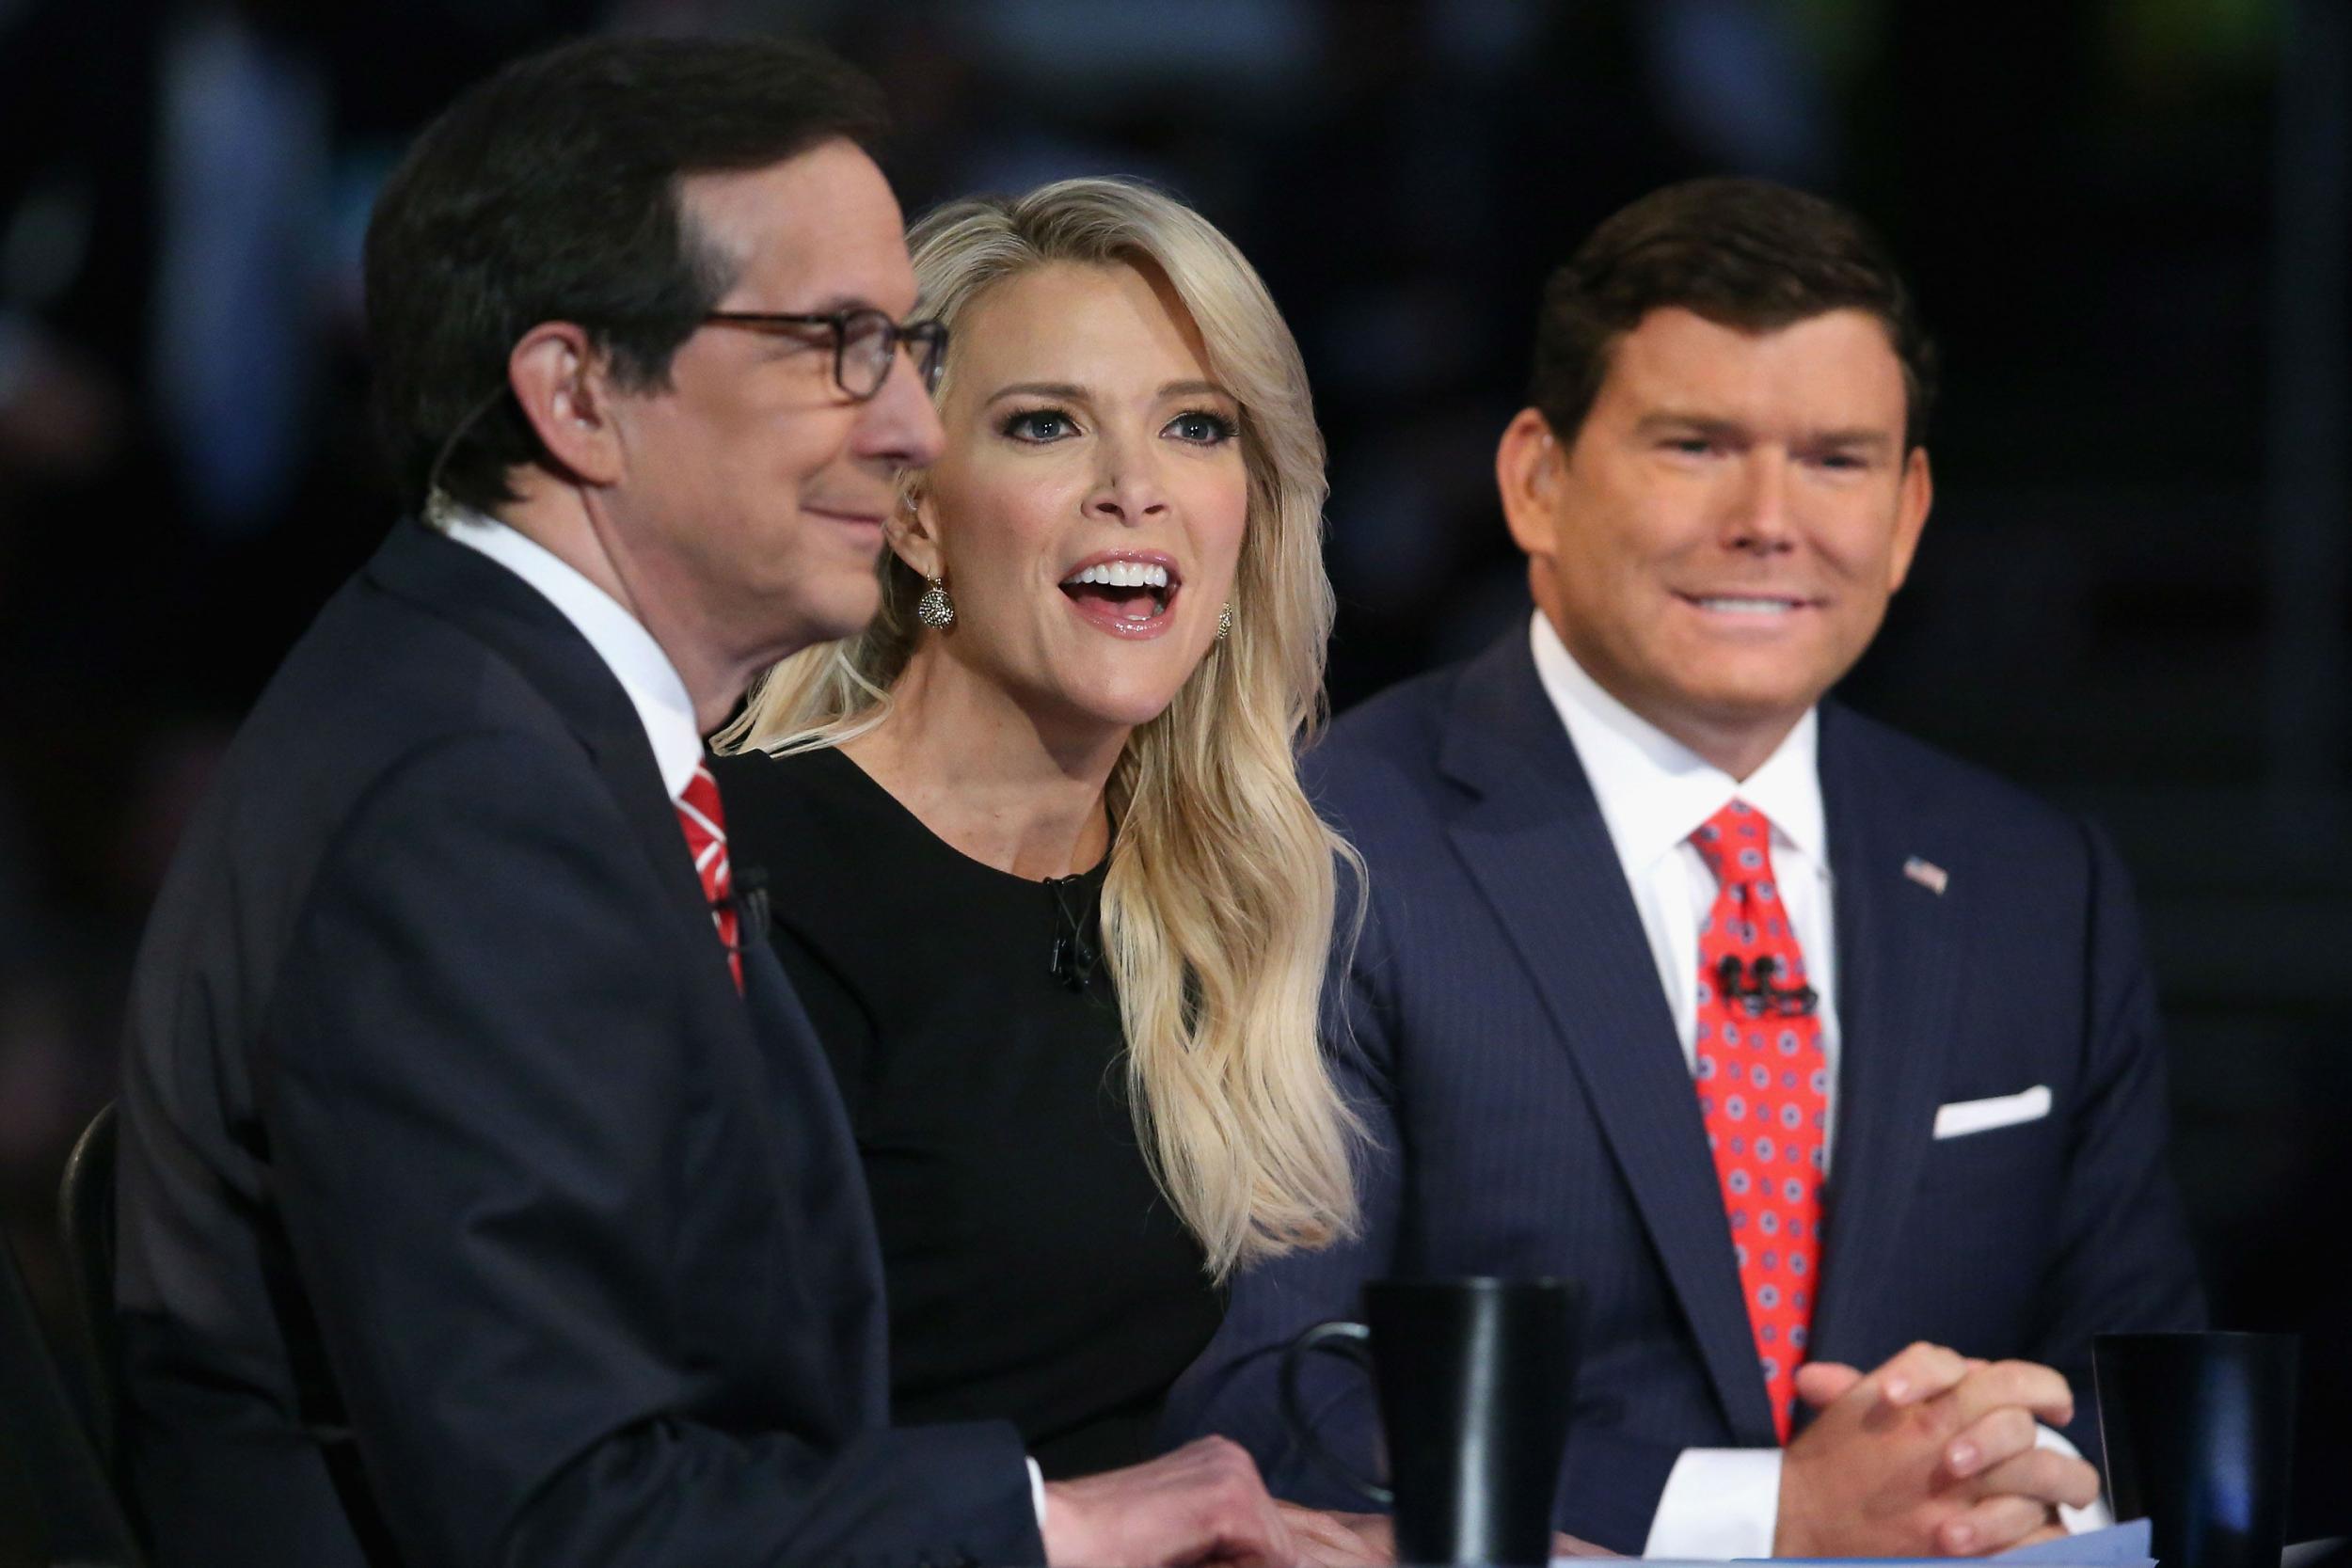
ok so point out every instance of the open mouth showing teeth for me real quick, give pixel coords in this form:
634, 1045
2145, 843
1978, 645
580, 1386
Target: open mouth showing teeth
1126, 590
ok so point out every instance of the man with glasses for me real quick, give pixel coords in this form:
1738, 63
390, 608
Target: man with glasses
486, 1198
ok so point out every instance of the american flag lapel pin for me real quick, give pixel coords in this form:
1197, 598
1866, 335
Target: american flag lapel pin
1928, 874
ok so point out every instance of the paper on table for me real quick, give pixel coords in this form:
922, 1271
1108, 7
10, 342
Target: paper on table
2117, 1546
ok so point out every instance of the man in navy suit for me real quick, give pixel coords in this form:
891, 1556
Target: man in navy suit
1805, 1048
486, 1196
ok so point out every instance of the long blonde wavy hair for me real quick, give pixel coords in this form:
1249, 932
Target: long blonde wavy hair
1220, 901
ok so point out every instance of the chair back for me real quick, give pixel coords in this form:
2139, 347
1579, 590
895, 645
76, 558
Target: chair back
85, 1217
56, 1502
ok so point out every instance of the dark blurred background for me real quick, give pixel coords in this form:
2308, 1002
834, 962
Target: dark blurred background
2129, 221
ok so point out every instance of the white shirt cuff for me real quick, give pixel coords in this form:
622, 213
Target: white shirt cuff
2077, 1520
1722, 1503
1037, 1495
1719, 1504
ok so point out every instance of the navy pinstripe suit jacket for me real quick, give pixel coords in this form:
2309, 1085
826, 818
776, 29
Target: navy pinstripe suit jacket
1502, 1028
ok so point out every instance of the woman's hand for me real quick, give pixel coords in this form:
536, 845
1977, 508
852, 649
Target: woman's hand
1339, 1539
1330, 1540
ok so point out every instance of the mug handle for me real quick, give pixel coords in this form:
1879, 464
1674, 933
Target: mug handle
1351, 1340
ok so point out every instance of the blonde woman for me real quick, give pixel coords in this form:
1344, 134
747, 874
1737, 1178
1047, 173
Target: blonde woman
1036, 859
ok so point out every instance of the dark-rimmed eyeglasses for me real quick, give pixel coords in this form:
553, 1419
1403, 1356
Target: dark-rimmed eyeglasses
865, 342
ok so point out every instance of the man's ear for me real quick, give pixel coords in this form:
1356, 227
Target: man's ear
1912, 501
562, 384
1527, 473
913, 533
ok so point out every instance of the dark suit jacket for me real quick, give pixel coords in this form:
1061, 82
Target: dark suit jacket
1532, 1112
468, 1215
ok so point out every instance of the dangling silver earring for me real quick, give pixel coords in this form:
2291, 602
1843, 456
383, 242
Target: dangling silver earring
935, 610
1224, 621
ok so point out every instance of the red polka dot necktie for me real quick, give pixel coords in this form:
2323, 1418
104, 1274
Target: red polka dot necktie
1763, 1085
704, 821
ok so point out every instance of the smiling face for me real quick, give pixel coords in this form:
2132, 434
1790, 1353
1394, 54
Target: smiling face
1087, 516
1718, 545
755, 486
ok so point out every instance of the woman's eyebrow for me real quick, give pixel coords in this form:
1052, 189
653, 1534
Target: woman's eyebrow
1070, 391
1196, 388
1039, 390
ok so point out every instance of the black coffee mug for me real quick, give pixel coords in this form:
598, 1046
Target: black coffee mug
1474, 1378
2198, 1430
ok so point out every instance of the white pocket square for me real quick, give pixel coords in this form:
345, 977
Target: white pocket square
1964, 1116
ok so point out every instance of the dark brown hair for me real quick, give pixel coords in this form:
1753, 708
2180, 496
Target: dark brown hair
551, 193
1741, 253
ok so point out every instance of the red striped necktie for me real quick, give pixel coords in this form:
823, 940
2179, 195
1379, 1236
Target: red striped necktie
704, 821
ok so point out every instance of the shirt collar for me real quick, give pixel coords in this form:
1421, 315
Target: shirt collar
627, 649
1654, 792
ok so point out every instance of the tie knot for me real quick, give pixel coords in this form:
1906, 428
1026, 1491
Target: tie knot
1737, 844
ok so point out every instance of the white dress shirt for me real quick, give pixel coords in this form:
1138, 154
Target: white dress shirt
1654, 793
627, 649
636, 660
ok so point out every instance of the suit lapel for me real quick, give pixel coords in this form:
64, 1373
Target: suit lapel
1896, 976
834, 1219
1534, 842
516, 622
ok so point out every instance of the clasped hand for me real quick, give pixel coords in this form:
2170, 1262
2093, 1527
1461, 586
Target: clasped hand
1930, 1454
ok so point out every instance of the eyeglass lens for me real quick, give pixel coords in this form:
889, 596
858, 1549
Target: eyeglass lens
870, 343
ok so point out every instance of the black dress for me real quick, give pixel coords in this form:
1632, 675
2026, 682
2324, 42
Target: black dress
1035, 1271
